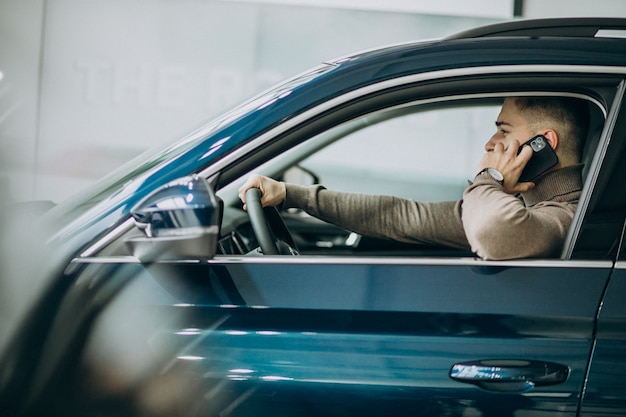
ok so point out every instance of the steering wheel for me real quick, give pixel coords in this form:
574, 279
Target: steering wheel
271, 232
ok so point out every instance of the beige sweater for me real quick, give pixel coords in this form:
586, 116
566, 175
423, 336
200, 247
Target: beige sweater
488, 221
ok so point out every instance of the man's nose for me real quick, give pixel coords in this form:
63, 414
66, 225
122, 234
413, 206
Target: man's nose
491, 143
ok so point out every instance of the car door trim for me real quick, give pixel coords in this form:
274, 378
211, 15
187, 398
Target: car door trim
620, 265
365, 260
473, 262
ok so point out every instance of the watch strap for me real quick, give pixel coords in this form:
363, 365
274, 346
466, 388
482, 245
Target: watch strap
494, 174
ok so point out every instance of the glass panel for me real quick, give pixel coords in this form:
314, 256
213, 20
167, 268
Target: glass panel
427, 156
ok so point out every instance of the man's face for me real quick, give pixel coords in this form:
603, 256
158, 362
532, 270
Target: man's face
510, 125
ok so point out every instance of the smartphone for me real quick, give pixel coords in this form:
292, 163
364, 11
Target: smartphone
543, 158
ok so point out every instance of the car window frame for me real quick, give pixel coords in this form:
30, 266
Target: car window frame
503, 80
600, 100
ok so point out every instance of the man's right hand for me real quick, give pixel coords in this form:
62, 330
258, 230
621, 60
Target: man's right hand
272, 192
505, 158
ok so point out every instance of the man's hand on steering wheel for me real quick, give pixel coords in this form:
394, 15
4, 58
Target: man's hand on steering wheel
272, 192
262, 195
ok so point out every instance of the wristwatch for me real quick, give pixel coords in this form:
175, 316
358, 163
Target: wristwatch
493, 173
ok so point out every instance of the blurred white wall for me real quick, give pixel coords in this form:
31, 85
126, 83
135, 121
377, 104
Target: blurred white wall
499, 9
89, 84
86, 85
20, 45
570, 8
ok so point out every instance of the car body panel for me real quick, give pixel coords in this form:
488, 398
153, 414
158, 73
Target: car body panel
333, 331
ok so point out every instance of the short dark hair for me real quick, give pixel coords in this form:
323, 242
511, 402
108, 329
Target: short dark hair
568, 116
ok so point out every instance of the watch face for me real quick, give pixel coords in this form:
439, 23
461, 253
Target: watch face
497, 175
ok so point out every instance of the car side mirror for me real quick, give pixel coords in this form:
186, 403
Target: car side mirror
300, 175
178, 221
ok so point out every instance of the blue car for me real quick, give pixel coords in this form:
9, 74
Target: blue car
154, 293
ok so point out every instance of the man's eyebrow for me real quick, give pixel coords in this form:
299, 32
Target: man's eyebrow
498, 124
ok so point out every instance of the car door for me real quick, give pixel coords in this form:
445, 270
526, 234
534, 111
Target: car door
303, 337
378, 335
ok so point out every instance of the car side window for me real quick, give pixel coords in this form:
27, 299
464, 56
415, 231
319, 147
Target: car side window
425, 156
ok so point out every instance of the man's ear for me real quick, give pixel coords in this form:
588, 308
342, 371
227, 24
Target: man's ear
552, 137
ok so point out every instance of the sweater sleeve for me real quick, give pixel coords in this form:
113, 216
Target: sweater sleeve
383, 216
499, 225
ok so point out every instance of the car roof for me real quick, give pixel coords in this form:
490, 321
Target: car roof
581, 27
559, 29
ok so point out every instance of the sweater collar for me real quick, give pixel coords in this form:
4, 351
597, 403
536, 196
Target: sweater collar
556, 185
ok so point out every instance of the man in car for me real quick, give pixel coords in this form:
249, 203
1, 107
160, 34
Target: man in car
499, 217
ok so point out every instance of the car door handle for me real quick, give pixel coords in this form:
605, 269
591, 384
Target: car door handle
506, 375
